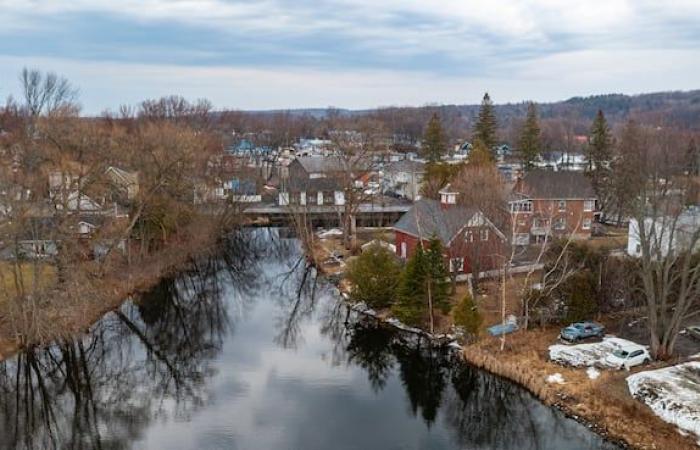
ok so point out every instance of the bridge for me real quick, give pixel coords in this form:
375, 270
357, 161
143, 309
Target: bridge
368, 214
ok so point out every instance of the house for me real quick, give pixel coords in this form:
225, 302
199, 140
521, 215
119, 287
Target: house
666, 234
471, 241
405, 178
315, 180
125, 184
546, 204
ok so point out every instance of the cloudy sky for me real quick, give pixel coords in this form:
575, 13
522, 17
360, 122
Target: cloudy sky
267, 54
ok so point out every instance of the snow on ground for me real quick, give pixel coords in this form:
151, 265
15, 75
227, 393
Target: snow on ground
582, 355
555, 378
592, 373
673, 393
330, 233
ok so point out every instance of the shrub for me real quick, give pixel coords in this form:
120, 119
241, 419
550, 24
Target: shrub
374, 276
467, 316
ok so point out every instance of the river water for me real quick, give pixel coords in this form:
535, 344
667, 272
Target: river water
251, 350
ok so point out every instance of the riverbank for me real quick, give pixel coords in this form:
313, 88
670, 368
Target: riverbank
75, 309
604, 404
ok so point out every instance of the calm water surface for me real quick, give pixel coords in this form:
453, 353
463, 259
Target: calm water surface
252, 351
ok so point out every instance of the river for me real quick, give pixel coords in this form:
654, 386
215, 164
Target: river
250, 350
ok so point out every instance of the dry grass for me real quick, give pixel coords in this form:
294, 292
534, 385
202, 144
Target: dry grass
45, 275
604, 402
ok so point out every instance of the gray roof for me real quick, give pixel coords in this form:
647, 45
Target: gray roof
313, 185
325, 164
433, 220
548, 184
406, 166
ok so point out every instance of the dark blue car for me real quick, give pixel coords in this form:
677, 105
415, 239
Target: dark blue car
582, 330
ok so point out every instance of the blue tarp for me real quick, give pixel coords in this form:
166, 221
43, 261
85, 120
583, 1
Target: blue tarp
501, 329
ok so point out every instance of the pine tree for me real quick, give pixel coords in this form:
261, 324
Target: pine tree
529, 144
486, 126
434, 142
437, 275
410, 306
374, 276
467, 316
600, 156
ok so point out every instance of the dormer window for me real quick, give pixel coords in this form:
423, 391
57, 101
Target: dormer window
448, 198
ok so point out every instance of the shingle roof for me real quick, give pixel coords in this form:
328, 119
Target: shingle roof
432, 220
548, 184
406, 166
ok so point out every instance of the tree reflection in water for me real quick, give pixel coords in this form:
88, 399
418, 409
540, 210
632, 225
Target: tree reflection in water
152, 360
146, 360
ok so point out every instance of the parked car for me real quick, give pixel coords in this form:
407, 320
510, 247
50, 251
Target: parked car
628, 356
582, 330
694, 331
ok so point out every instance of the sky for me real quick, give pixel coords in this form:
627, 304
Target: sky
279, 54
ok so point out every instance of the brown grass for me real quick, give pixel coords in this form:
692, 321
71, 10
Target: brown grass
605, 402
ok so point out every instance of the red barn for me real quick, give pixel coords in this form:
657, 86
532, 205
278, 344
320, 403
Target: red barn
471, 241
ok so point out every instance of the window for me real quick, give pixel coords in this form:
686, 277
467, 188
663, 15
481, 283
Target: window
448, 199
588, 205
636, 353
469, 236
562, 205
560, 224
328, 198
521, 206
586, 224
456, 264
403, 250
484, 234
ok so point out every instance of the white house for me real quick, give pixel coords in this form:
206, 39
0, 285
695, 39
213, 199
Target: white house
666, 233
405, 178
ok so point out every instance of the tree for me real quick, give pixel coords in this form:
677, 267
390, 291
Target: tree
434, 143
480, 155
375, 276
529, 145
486, 126
436, 177
467, 315
438, 285
600, 156
692, 159
411, 294
627, 171
47, 93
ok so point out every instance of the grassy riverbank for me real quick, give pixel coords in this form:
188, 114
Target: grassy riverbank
73, 310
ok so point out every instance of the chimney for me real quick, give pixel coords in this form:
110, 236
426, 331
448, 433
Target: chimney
448, 197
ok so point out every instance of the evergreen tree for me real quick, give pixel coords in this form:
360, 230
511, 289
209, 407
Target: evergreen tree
374, 276
434, 143
467, 316
600, 156
529, 144
486, 126
411, 301
437, 275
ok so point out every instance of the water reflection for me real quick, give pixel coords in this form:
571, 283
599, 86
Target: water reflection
250, 349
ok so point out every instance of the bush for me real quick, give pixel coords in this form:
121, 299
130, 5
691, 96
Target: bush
579, 296
467, 316
374, 276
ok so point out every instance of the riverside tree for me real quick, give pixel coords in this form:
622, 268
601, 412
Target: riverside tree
529, 143
375, 276
434, 143
486, 126
467, 316
423, 286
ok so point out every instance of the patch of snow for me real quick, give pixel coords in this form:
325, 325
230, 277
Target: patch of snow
672, 393
330, 233
586, 355
592, 373
555, 378
695, 356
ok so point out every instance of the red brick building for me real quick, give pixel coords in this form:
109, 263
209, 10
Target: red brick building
546, 204
471, 241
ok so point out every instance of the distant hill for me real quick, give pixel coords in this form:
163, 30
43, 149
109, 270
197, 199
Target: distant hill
678, 108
